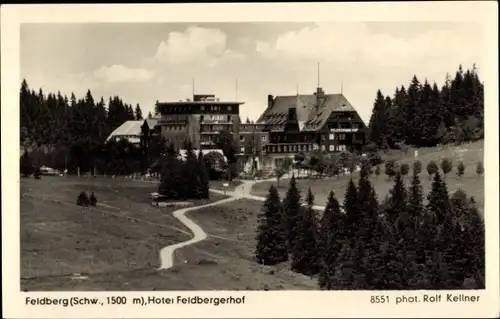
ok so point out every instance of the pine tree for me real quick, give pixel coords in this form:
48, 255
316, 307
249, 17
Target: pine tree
475, 248
305, 249
398, 200
332, 237
417, 167
439, 201
292, 205
377, 119
138, 112
351, 207
171, 184
415, 199
367, 234
193, 185
271, 238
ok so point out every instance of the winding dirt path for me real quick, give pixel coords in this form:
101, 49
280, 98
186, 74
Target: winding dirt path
241, 191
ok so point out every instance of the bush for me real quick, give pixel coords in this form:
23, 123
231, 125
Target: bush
37, 174
460, 169
390, 168
405, 169
93, 200
432, 168
446, 165
417, 167
82, 199
479, 168
377, 170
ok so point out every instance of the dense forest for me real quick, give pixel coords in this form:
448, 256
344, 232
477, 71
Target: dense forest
427, 115
406, 242
70, 133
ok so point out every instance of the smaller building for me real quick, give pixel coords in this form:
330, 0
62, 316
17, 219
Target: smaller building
132, 130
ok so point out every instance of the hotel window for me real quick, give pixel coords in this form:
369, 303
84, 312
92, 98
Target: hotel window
332, 136
202, 108
242, 149
242, 138
229, 108
263, 138
323, 147
331, 148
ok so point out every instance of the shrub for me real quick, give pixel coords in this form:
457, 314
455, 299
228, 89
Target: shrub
405, 169
377, 170
479, 168
390, 168
446, 165
37, 174
432, 168
82, 199
417, 167
460, 169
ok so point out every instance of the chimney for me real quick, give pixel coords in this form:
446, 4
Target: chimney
270, 101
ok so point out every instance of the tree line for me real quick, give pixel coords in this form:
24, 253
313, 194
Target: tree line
404, 242
70, 133
425, 115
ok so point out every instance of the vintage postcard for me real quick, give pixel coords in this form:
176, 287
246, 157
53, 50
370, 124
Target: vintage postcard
276, 160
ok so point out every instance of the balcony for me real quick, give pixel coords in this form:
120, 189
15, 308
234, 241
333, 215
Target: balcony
290, 147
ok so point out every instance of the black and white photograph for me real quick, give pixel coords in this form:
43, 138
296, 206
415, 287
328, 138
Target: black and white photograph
254, 156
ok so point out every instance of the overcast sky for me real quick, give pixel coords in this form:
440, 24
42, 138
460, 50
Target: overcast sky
145, 62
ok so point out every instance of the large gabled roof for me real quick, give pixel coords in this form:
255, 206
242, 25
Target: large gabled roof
309, 116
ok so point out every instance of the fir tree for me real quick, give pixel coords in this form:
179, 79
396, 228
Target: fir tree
439, 201
332, 236
398, 199
475, 248
351, 207
305, 249
192, 179
415, 200
271, 238
292, 206
138, 112
204, 178
171, 184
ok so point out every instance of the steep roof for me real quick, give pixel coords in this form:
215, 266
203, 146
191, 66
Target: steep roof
127, 128
151, 123
308, 116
